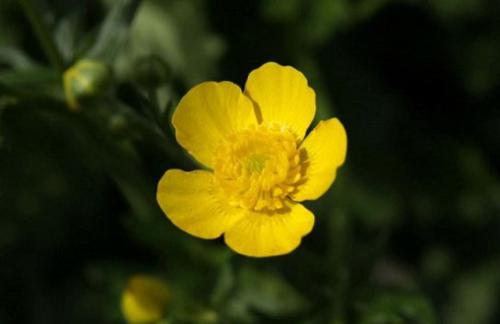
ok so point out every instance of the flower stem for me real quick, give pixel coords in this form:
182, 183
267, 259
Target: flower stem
338, 256
42, 33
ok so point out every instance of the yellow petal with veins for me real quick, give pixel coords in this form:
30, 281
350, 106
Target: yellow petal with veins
194, 204
322, 152
269, 234
282, 96
207, 114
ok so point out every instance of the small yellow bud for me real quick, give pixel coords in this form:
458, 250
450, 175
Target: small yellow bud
85, 79
144, 299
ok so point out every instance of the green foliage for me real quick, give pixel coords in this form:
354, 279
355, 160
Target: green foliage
398, 308
265, 292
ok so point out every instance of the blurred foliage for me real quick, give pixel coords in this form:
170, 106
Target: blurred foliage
407, 234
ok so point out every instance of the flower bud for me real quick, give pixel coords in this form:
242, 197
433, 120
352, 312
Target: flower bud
84, 80
144, 299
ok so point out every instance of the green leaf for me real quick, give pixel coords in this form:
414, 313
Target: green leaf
14, 58
224, 285
177, 32
475, 296
34, 82
281, 11
398, 308
66, 35
268, 293
113, 33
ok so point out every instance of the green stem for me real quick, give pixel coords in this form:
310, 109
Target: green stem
338, 255
156, 135
153, 98
42, 33
123, 168
154, 107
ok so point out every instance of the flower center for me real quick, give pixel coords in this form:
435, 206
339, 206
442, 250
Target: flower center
259, 167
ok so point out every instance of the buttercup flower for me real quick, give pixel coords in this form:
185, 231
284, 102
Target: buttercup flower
260, 167
144, 299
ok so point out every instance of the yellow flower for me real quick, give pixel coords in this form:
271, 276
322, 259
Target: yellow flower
260, 165
144, 299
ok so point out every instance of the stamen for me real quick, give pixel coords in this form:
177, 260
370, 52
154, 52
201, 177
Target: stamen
258, 167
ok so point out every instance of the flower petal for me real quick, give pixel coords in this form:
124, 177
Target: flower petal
207, 113
283, 96
194, 204
269, 234
323, 150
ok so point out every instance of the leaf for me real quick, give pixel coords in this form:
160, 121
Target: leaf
398, 307
224, 285
177, 32
66, 33
33, 82
269, 293
14, 58
475, 296
113, 33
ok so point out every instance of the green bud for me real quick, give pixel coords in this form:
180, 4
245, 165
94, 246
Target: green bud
86, 79
151, 71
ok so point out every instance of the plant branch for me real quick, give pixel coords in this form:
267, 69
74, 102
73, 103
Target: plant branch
43, 34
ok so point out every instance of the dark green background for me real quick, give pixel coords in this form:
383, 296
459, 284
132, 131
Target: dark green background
409, 232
